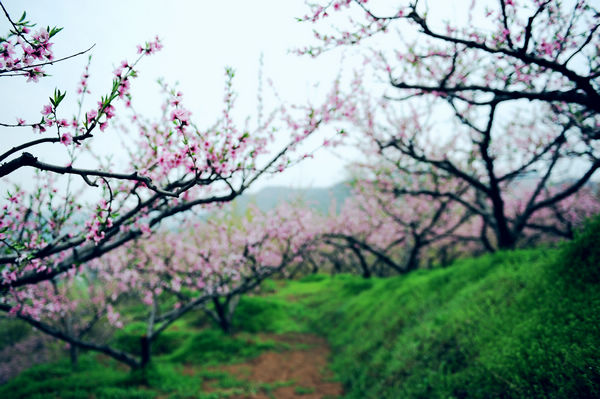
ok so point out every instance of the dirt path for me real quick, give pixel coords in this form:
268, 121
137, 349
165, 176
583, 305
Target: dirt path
302, 370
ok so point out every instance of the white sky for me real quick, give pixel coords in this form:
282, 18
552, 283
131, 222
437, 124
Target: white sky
200, 38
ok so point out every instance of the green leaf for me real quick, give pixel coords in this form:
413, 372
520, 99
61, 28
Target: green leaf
58, 97
54, 31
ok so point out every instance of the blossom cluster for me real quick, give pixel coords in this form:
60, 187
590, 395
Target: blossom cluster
25, 52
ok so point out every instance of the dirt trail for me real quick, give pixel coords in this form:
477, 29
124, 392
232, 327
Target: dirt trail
304, 367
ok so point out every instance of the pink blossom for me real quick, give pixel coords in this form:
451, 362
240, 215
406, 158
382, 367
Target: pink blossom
180, 114
91, 115
145, 229
47, 110
66, 138
33, 75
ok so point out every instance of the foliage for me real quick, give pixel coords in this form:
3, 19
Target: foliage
184, 344
255, 314
581, 257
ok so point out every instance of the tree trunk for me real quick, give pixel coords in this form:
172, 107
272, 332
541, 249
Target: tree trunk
505, 239
223, 319
145, 343
413, 258
72, 348
73, 354
366, 272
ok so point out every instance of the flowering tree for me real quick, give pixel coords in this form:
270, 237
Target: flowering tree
71, 306
510, 96
173, 166
261, 245
49, 233
172, 273
25, 53
393, 231
389, 233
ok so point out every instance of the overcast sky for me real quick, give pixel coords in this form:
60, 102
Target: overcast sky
200, 38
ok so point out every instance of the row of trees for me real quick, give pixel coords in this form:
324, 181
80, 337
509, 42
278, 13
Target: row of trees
66, 263
486, 139
204, 266
208, 265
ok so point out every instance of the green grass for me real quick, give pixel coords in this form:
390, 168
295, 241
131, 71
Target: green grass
214, 347
300, 390
105, 378
268, 314
518, 324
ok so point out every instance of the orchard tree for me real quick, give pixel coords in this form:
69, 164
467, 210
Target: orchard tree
49, 233
378, 232
173, 166
73, 307
205, 266
508, 97
388, 234
261, 245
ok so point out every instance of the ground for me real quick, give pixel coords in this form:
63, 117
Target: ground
298, 372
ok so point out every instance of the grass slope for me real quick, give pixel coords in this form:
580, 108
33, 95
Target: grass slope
519, 324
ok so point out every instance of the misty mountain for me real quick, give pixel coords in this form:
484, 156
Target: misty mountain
319, 199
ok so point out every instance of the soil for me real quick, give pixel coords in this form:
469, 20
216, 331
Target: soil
304, 367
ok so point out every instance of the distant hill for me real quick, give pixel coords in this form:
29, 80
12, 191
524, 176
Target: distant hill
319, 199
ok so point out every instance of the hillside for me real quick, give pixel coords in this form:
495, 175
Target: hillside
317, 198
522, 324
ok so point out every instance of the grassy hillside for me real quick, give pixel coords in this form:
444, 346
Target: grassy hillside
522, 324
514, 324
